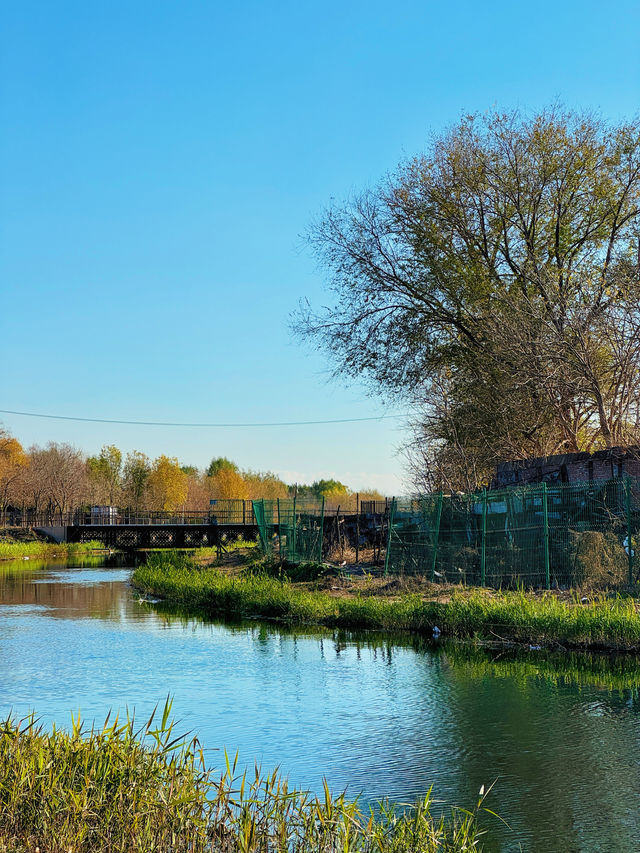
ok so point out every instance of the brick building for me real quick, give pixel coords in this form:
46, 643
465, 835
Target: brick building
569, 468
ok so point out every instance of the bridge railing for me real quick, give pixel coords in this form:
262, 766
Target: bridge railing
352, 506
223, 511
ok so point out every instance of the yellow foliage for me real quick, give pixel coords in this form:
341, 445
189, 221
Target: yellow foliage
267, 486
371, 495
12, 460
168, 484
229, 484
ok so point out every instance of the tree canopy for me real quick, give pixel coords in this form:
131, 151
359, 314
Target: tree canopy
13, 461
492, 282
221, 463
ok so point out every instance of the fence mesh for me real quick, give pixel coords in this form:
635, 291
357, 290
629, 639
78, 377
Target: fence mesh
542, 535
291, 529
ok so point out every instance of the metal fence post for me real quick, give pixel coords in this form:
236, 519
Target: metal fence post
279, 533
629, 541
483, 553
295, 525
357, 527
545, 512
387, 554
437, 536
321, 530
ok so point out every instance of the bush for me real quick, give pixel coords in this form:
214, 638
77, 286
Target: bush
599, 560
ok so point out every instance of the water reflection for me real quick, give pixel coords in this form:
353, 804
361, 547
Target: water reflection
381, 715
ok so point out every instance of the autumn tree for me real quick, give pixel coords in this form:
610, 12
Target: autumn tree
221, 463
492, 284
31, 486
167, 484
330, 490
13, 461
228, 483
61, 468
105, 473
265, 485
199, 490
135, 476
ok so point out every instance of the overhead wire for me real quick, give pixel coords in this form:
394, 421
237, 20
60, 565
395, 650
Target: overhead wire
203, 425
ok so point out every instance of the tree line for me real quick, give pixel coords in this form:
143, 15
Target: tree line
59, 478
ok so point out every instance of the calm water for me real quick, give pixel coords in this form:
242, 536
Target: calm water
380, 716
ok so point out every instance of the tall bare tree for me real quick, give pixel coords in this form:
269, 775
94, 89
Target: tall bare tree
63, 471
493, 283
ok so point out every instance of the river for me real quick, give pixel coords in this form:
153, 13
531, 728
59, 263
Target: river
380, 716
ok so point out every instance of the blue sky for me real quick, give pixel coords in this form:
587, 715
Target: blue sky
160, 162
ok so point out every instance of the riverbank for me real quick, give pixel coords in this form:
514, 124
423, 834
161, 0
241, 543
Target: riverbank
38, 548
545, 619
120, 787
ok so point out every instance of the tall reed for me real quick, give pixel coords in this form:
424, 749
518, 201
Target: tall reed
127, 790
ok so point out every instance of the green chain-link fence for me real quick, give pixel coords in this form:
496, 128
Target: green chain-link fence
542, 535
291, 529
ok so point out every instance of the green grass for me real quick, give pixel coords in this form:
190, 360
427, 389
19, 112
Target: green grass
118, 788
512, 616
41, 550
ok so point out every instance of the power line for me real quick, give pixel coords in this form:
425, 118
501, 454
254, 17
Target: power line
204, 425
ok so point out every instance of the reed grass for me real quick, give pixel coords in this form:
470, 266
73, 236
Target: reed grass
599, 623
118, 788
41, 550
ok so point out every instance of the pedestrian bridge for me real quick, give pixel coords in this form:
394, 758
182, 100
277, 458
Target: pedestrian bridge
125, 529
132, 529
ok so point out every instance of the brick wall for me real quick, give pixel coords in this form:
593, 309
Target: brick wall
570, 468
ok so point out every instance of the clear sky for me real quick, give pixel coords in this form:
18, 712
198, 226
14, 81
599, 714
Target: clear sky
160, 160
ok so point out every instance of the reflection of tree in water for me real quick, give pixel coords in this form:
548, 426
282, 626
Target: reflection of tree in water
40, 584
607, 671
563, 757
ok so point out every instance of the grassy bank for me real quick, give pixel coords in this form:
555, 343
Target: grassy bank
121, 789
40, 550
511, 616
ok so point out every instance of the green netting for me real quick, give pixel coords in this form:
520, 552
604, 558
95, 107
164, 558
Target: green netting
290, 530
542, 535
